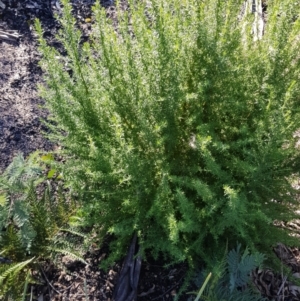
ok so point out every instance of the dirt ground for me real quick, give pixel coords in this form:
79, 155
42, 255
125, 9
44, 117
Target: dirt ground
21, 130
20, 126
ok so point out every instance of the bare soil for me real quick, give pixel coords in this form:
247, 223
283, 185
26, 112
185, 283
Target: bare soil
20, 112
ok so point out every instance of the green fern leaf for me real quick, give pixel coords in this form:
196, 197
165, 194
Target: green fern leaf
70, 253
14, 269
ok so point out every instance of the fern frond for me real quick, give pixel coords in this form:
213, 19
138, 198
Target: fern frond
71, 253
20, 172
11, 244
233, 281
240, 266
30, 225
74, 232
14, 279
4, 215
14, 269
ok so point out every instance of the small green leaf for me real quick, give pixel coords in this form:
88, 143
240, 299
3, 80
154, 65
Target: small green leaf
2, 199
60, 176
47, 158
51, 173
203, 287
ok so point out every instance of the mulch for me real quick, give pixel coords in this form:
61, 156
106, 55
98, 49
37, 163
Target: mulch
21, 130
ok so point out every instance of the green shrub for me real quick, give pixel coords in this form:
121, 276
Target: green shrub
33, 226
177, 125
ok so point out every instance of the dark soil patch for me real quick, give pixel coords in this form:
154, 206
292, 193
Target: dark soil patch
20, 126
77, 281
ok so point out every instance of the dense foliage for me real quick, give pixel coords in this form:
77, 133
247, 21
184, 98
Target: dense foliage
177, 124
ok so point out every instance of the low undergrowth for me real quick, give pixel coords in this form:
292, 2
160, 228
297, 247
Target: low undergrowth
230, 278
34, 226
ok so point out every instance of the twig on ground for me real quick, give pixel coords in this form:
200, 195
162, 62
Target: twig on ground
9, 35
282, 285
150, 291
47, 280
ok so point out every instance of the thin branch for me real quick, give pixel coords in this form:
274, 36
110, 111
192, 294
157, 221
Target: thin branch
9, 35
46, 278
